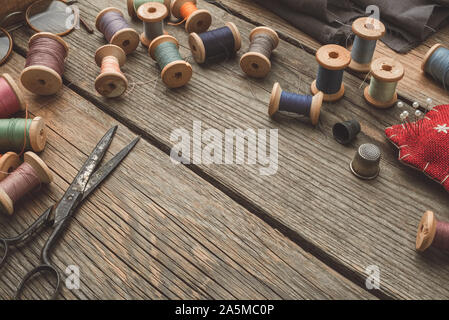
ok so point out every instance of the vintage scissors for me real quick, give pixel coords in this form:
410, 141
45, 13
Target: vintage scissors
58, 216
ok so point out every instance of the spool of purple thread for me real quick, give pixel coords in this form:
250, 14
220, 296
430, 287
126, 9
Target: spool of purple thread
112, 24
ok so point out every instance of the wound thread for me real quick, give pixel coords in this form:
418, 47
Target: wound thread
187, 9
441, 240
263, 44
9, 102
437, 66
363, 50
20, 182
48, 52
110, 23
382, 91
292, 102
110, 64
15, 134
329, 81
165, 53
219, 44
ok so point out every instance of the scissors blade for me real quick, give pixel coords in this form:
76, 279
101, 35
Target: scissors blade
74, 194
102, 173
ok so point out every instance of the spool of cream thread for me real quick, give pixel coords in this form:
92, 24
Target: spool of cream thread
132, 10
367, 31
42, 171
111, 82
152, 15
40, 79
332, 60
256, 63
126, 38
386, 73
198, 21
176, 73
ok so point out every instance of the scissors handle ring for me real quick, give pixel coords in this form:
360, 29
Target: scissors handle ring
40, 271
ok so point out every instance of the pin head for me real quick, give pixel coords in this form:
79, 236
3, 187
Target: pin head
400, 104
415, 105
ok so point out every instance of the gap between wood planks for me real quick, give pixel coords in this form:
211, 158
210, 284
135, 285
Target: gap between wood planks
252, 207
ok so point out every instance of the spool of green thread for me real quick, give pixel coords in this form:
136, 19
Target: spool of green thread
175, 71
386, 74
133, 6
13, 138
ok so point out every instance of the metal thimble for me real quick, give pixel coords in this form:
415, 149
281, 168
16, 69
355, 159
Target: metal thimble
345, 132
365, 164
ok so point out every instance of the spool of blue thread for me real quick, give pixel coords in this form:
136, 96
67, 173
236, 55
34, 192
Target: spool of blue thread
436, 64
367, 31
332, 59
309, 106
215, 45
175, 71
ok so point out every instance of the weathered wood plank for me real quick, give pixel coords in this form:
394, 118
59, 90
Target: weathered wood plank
155, 230
313, 197
415, 85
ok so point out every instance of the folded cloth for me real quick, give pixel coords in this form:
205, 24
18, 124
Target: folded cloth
408, 22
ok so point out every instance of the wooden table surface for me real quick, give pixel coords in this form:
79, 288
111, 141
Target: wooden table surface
156, 230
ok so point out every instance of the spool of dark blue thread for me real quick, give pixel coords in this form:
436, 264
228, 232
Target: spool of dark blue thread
332, 59
367, 31
215, 45
309, 106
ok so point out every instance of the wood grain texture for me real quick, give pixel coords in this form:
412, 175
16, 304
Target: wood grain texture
350, 224
415, 86
155, 230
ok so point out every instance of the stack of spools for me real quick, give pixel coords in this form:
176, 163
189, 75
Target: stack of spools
19, 135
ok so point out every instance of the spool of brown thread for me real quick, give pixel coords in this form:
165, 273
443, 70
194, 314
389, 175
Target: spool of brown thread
432, 233
45, 64
256, 63
111, 82
28, 176
112, 24
8, 163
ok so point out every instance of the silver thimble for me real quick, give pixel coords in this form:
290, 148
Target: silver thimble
365, 164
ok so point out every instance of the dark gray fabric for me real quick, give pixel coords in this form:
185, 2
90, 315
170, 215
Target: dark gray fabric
408, 22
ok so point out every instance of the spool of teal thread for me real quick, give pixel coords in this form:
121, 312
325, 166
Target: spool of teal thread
436, 64
175, 71
386, 74
367, 31
14, 138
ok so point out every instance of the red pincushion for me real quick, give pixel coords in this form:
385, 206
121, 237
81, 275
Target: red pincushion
426, 148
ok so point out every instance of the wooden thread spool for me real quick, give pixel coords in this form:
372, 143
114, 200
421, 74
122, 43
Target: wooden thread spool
175, 71
16, 92
40, 174
43, 79
134, 5
256, 63
436, 64
208, 47
432, 233
386, 73
12, 134
8, 163
279, 103
120, 35
332, 59
111, 82
152, 15
197, 20
367, 32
